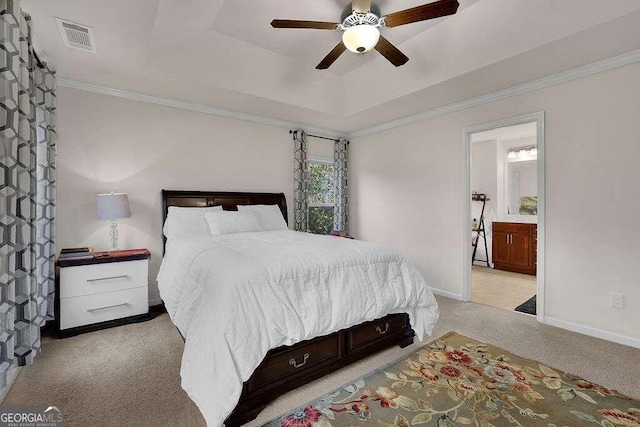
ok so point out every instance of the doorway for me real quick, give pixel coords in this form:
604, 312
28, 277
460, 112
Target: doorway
504, 214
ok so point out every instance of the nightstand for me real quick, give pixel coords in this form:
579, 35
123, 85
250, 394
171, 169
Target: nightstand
110, 289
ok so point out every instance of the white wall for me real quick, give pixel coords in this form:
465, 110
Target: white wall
406, 190
112, 144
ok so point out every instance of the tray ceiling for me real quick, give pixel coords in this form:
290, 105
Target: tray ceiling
310, 46
226, 55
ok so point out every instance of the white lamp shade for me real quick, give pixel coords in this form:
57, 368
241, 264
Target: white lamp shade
361, 38
113, 206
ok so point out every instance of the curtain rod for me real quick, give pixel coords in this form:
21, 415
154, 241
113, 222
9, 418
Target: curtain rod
320, 137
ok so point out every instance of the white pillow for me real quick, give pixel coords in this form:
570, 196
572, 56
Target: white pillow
270, 216
184, 223
228, 222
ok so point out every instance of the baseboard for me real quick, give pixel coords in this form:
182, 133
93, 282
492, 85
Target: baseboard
592, 332
446, 294
156, 301
12, 376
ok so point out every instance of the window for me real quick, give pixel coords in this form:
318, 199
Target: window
321, 181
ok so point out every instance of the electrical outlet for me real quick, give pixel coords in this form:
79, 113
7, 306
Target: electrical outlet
617, 300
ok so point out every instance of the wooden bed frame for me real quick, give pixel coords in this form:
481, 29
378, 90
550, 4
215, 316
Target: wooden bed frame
288, 367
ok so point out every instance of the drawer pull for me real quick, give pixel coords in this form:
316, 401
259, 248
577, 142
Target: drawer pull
91, 310
380, 331
108, 278
295, 364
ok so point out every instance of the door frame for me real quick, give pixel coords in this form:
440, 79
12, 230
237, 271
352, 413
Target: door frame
537, 117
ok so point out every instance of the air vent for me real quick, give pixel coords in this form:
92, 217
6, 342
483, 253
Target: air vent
77, 36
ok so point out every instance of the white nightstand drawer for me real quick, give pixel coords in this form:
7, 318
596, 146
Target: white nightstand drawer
99, 278
88, 309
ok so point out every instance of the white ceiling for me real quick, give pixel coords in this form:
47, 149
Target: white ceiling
306, 45
223, 53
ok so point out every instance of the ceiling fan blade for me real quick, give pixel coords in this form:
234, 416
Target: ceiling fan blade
422, 13
361, 6
391, 52
316, 25
331, 57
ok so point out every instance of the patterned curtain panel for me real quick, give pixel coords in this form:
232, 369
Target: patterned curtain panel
27, 192
301, 182
341, 182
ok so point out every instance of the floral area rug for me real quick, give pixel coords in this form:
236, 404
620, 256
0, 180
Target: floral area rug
457, 381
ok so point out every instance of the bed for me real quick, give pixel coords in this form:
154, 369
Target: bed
246, 343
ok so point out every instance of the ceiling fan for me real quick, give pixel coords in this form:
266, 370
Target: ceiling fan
362, 28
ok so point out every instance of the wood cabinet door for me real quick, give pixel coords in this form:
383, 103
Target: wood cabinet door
500, 247
520, 250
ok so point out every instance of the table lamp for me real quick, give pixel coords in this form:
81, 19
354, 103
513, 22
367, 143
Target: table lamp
113, 206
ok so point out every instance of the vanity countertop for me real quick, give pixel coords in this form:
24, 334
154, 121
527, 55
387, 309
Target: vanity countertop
520, 219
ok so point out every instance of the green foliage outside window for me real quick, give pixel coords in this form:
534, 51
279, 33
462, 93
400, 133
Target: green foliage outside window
321, 197
321, 219
320, 183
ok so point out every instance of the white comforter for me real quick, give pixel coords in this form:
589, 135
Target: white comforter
236, 296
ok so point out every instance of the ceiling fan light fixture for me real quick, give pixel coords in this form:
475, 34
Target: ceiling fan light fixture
361, 28
361, 38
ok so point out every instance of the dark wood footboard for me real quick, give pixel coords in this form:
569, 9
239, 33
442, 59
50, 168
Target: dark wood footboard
286, 368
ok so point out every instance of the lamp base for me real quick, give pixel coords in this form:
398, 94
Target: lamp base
114, 235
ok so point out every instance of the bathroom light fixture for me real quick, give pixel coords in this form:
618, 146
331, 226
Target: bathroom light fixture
522, 153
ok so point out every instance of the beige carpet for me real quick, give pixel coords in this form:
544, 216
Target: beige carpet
502, 289
130, 375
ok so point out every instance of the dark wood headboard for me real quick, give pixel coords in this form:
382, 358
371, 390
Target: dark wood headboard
228, 200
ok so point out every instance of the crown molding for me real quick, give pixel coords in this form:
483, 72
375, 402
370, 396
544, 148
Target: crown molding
593, 68
193, 106
623, 60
